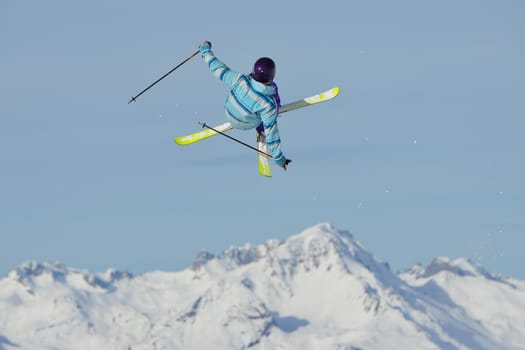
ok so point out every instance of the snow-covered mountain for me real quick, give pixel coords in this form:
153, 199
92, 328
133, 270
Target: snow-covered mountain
319, 289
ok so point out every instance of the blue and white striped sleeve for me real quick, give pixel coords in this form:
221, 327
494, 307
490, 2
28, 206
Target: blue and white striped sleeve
219, 69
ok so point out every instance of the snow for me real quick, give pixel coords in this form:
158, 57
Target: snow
319, 289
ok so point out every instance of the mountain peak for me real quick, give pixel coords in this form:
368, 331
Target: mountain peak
32, 269
319, 245
309, 241
460, 267
327, 236
31, 272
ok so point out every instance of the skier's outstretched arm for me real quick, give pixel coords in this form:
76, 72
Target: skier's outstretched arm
217, 67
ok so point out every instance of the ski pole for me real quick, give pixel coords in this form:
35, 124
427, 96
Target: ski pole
134, 98
204, 125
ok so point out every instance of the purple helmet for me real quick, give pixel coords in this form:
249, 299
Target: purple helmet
264, 70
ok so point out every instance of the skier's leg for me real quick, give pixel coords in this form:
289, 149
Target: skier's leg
260, 128
260, 131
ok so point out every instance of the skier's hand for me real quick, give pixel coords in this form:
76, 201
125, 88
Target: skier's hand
206, 45
285, 164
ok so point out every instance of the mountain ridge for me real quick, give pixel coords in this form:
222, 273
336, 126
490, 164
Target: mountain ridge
316, 289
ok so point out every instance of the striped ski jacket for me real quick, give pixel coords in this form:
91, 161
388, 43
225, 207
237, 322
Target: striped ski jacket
249, 103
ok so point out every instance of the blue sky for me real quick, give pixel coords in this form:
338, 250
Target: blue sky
421, 155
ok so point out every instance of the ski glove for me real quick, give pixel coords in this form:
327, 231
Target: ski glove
205, 46
285, 164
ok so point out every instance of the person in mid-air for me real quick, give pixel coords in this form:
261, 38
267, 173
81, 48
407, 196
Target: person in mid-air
253, 101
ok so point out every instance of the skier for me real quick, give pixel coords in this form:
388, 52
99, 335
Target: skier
253, 101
